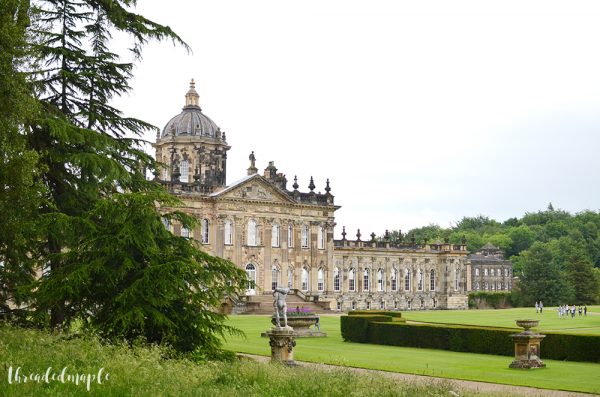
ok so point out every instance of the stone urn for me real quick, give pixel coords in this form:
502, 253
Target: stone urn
301, 324
527, 325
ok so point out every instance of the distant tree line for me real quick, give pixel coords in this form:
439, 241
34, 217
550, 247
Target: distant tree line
555, 254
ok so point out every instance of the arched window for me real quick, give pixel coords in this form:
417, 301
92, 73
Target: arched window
321, 237
336, 279
486, 286
493, 285
432, 280
506, 272
477, 271
304, 279
290, 235
366, 280
380, 280
274, 277
185, 232
492, 272
290, 276
485, 272
456, 280
352, 280
275, 236
477, 286
228, 238
205, 231
251, 278
407, 280
499, 273
393, 276
184, 169
252, 233
304, 236
320, 279
420, 280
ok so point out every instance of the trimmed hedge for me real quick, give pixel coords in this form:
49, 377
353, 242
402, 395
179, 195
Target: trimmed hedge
355, 327
496, 300
462, 338
374, 312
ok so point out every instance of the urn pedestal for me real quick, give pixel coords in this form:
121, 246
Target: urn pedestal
282, 341
527, 346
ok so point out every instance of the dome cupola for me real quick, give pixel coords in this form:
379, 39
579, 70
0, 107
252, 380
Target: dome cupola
191, 121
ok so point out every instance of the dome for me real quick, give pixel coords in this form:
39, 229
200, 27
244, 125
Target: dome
191, 121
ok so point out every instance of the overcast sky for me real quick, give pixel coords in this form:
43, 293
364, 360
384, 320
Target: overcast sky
419, 112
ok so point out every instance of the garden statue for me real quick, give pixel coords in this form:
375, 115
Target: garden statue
280, 305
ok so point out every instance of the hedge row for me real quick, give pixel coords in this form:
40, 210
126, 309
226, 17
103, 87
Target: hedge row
355, 328
496, 300
375, 312
486, 340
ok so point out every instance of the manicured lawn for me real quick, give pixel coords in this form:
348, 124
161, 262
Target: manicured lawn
549, 320
574, 376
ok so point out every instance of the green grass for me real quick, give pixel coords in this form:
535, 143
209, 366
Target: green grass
549, 320
143, 371
559, 375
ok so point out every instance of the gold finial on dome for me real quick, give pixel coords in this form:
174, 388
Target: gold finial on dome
192, 97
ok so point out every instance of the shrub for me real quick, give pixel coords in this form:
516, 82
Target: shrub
464, 338
483, 299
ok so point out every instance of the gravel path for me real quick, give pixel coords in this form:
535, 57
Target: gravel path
467, 385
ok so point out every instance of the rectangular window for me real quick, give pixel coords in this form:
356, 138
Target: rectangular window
184, 168
321, 238
290, 236
275, 236
205, 231
228, 233
305, 236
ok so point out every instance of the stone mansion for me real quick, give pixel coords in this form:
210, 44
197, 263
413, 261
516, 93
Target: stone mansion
284, 237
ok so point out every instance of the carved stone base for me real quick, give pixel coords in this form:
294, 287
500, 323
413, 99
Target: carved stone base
282, 341
527, 350
527, 364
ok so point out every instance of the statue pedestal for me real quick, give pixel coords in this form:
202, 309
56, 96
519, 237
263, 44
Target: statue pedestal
282, 341
527, 348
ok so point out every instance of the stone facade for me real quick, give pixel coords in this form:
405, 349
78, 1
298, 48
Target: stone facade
490, 271
285, 237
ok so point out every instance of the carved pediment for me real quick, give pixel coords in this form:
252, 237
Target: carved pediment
256, 188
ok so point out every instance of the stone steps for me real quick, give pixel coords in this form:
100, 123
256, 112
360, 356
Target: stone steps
263, 304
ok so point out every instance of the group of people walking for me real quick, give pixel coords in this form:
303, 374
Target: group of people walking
565, 310
539, 307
